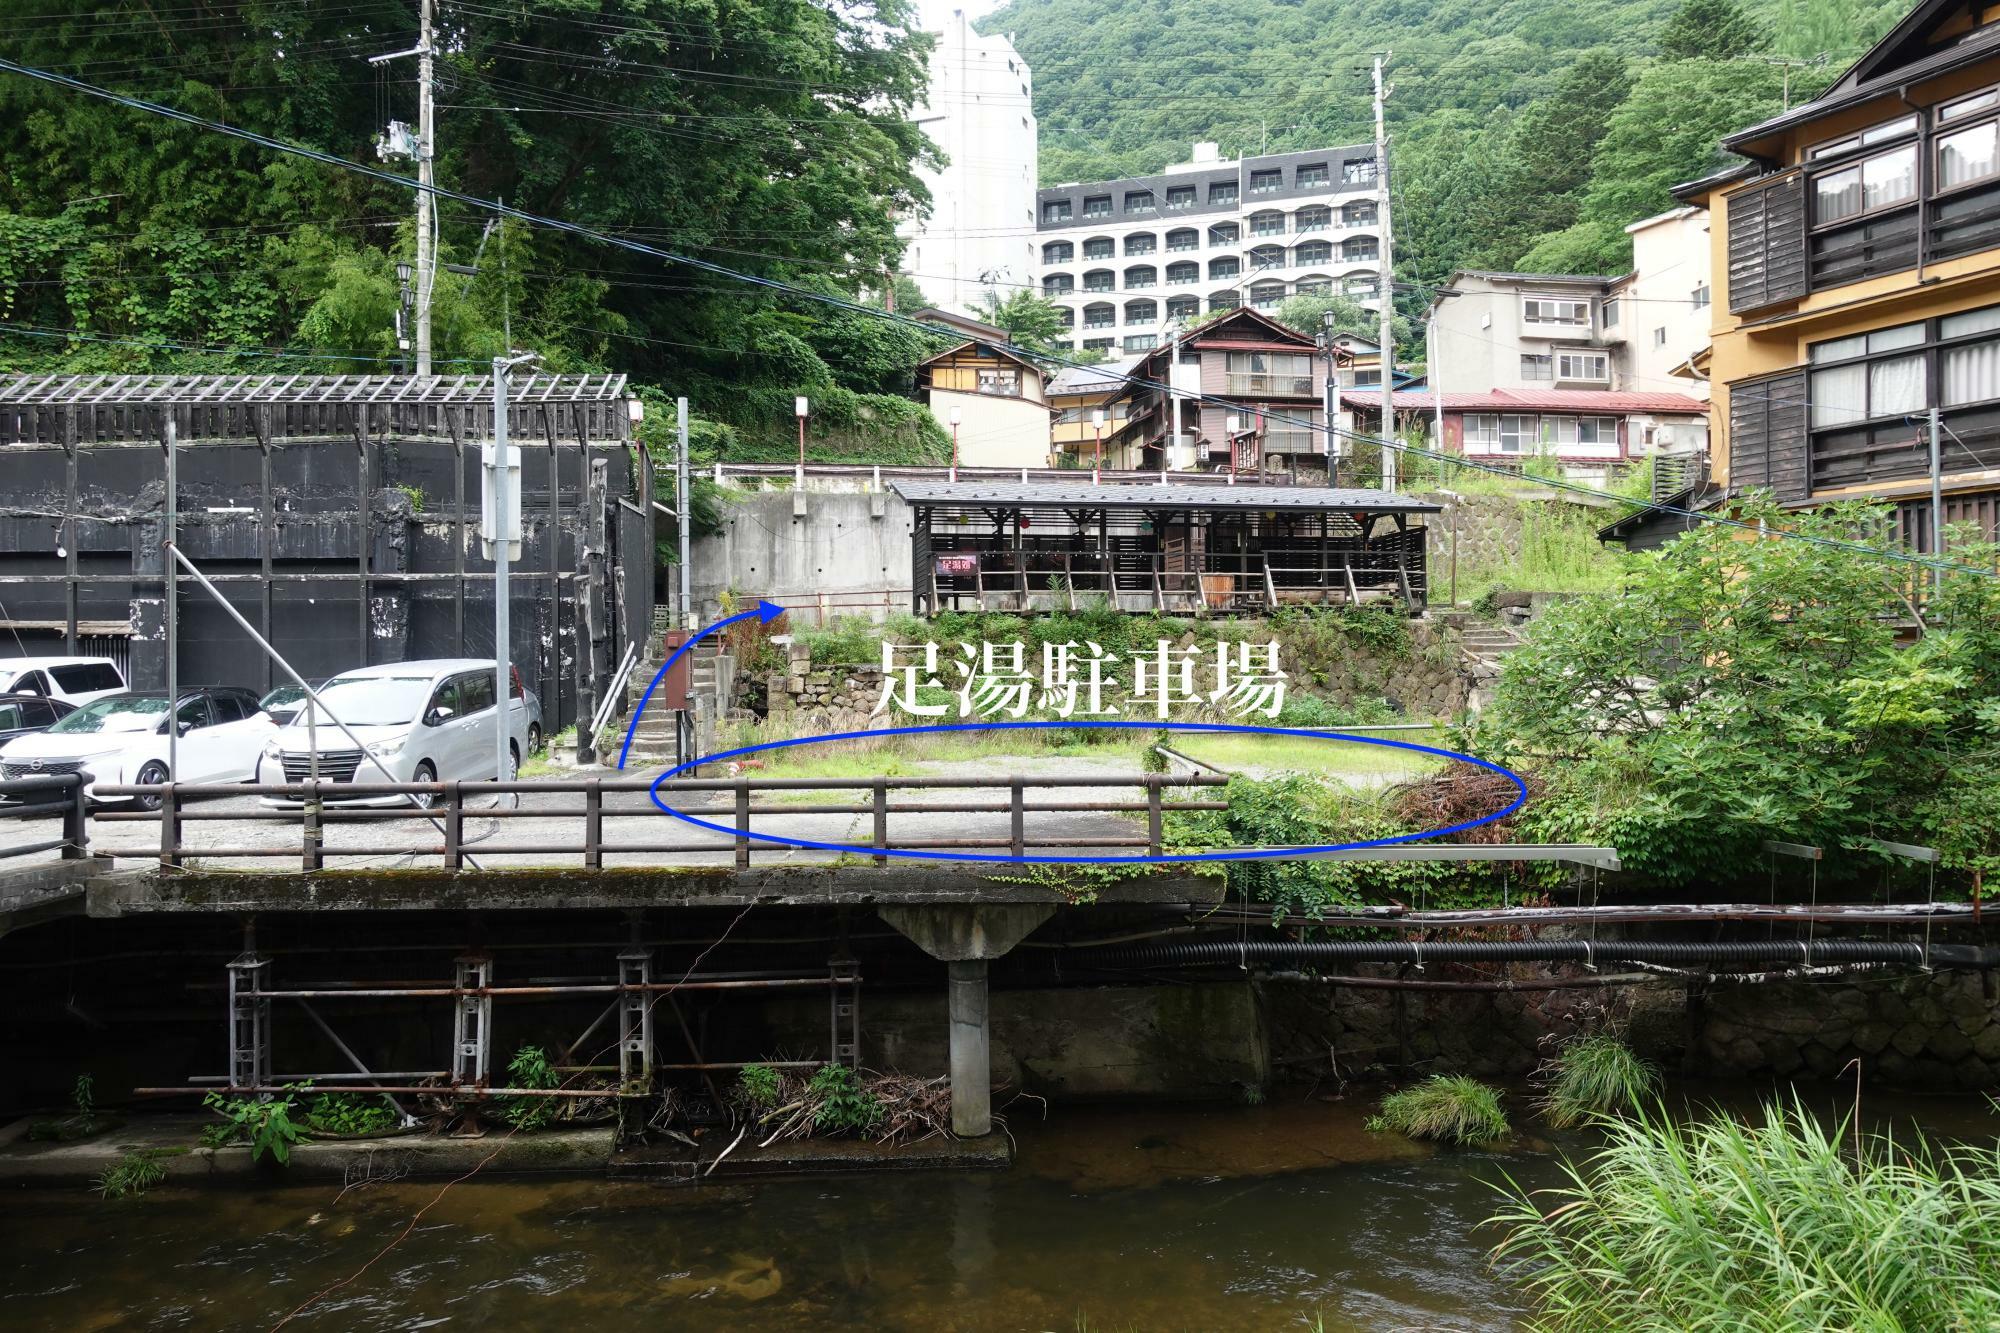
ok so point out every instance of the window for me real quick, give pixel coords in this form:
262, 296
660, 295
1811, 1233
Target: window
1482, 429
1594, 367
1878, 182
228, 708
1179, 197
1063, 345
1097, 206
1183, 272
1183, 307
1267, 295
1313, 284
1537, 368
1558, 310
1141, 243
475, 691
1058, 284
1699, 297
1488, 433
1358, 173
1607, 314
1223, 233
1363, 286
1869, 375
1099, 316
1228, 266
1141, 312
1360, 250
1100, 280
1313, 252
1185, 239
1366, 379
1222, 300
1515, 433
1098, 344
1140, 275
1055, 210
1971, 370
1660, 336
1004, 381
1580, 432
1360, 214
1895, 129
1067, 315
87, 676
1058, 252
1266, 182
1268, 256
1967, 106
193, 714
1270, 372
1098, 247
1312, 219
1267, 224
1141, 342
1222, 192
1311, 174
1188, 355
1967, 156
1139, 202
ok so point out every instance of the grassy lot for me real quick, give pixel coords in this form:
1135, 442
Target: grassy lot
1339, 760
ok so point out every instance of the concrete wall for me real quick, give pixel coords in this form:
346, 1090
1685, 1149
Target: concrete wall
848, 552
995, 431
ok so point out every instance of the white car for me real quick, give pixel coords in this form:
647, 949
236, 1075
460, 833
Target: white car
74, 680
122, 739
428, 721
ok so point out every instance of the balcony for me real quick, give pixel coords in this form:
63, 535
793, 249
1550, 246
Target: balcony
1289, 439
1286, 386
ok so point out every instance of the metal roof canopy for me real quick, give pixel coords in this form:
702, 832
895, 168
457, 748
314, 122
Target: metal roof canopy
319, 390
1168, 496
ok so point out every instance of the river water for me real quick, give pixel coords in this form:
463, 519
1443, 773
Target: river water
1286, 1215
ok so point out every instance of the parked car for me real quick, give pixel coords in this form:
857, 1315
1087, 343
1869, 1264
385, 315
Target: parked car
286, 702
74, 680
428, 721
23, 714
123, 739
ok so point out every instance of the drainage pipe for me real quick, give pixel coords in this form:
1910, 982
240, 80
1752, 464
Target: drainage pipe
1224, 953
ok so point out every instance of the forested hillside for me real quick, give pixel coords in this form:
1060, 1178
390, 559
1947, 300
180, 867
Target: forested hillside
1524, 132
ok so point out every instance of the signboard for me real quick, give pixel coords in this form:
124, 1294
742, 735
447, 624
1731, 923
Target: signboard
957, 564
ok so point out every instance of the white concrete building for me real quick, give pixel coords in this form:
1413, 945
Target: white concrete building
1664, 302
1126, 258
980, 234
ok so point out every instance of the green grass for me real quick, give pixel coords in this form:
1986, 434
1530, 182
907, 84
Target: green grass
1237, 752
134, 1173
1592, 1077
905, 756
1785, 1223
1449, 1108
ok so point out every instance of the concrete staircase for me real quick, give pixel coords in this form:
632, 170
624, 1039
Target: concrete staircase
653, 742
1482, 650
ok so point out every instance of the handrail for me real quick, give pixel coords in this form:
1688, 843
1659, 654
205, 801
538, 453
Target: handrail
72, 807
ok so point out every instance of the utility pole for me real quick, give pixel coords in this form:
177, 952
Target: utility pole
427, 181
500, 525
1331, 407
681, 510
1937, 497
1386, 295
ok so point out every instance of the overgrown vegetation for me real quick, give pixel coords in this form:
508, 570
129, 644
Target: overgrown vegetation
1448, 1108
531, 1068
268, 1126
1594, 1076
1782, 1223
349, 1114
134, 1173
758, 1086
83, 1120
845, 1106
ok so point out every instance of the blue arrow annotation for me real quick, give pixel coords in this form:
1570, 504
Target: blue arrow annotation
765, 613
1245, 854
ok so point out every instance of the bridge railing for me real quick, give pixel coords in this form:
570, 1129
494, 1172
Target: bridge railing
575, 825
56, 796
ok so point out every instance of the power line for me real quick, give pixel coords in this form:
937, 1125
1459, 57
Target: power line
855, 307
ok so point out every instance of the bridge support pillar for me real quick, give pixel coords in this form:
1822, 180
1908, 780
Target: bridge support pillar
965, 938
249, 1022
472, 1021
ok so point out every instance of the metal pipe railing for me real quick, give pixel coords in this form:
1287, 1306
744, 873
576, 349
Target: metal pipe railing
71, 808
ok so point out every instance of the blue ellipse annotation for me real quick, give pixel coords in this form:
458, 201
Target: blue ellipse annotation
1241, 854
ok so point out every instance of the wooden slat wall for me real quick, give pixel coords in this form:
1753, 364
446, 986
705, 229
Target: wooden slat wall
1767, 243
1767, 436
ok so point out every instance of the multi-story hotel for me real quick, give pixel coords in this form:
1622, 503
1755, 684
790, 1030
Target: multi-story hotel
1854, 267
1127, 258
979, 236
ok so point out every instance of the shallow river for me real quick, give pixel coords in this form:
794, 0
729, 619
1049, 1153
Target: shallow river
1281, 1216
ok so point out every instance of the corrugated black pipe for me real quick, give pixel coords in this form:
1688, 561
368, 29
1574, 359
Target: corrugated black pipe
1682, 953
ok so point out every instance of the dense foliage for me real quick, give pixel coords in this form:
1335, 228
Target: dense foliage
1743, 689
1522, 135
768, 135
1781, 1223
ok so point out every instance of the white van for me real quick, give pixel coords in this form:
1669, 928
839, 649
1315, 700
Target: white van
74, 680
428, 721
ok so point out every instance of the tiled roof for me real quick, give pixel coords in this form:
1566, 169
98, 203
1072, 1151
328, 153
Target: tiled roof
1534, 400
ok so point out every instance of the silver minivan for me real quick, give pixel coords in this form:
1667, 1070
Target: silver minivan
427, 721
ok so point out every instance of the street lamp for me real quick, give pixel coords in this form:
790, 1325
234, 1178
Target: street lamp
954, 443
1097, 428
801, 409
1330, 408
1230, 426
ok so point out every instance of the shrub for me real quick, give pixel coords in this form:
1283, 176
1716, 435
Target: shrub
760, 1086
267, 1125
134, 1173
1448, 1108
1594, 1076
845, 1107
346, 1113
530, 1068
1780, 1224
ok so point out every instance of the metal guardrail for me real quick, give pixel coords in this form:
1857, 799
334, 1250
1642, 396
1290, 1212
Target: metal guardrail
62, 796
321, 807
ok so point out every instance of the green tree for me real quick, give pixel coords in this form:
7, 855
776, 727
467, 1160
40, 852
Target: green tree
1710, 30
1306, 310
1031, 321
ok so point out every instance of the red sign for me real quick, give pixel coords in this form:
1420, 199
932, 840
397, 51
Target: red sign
957, 564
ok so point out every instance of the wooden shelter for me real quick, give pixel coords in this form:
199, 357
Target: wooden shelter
1028, 547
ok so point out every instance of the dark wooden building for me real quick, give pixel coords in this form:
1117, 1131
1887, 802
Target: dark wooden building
1029, 547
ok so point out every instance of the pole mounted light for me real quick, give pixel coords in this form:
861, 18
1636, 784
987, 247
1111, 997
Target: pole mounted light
955, 416
801, 408
1097, 429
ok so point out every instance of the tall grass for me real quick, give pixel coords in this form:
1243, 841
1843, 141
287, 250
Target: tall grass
1594, 1076
1447, 1107
1783, 1224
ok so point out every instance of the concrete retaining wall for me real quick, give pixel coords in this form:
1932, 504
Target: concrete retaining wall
845, 553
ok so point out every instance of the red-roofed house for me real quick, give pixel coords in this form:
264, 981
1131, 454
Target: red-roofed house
1591, 432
